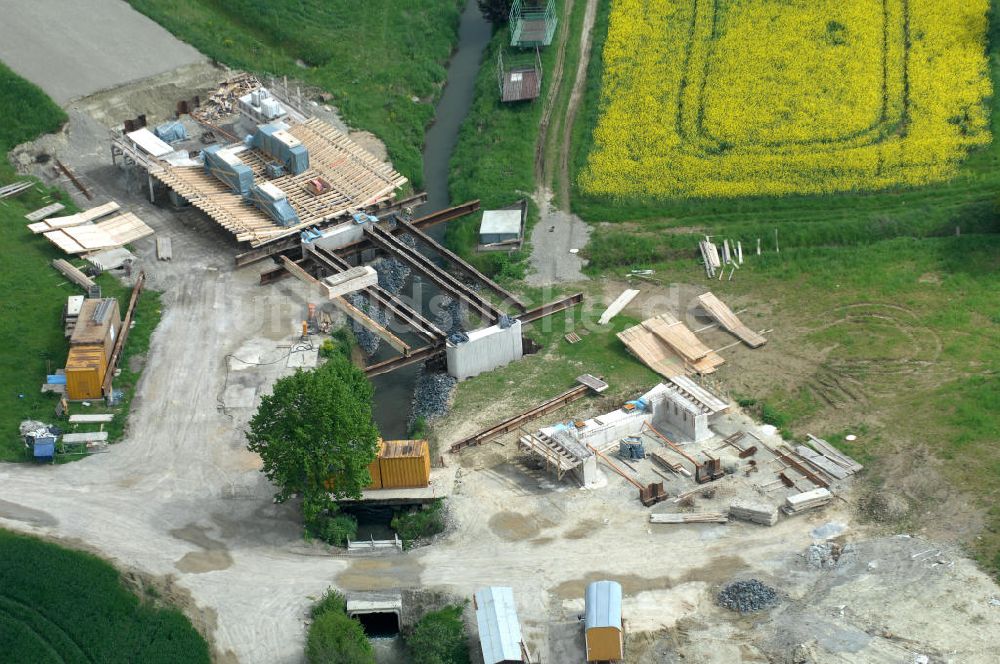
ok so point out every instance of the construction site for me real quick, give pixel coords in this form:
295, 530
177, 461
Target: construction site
612, 491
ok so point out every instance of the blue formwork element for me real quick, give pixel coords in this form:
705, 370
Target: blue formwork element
631, 448
228, 168
275, 141
273, 202
43, 448
171, 132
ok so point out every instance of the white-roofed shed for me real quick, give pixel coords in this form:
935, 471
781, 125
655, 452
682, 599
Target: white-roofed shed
499, 629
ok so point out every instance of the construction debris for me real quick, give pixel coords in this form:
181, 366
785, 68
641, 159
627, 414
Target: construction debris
802, 502
764, 514
821, 463
747, 596
828, 555
695, 517
224, 101
164, 248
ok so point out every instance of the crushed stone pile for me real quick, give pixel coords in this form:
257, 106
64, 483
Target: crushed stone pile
449, 316
828, 555
747, 596
369, 341
431, 396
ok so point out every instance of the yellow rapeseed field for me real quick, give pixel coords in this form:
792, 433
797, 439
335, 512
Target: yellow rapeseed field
709, 98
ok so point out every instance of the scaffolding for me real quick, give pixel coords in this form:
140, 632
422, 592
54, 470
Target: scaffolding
519, 76
532, 23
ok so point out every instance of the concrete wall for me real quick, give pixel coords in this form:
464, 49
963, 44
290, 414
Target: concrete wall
674, 412
485, 350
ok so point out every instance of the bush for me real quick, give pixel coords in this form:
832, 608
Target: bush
439, 638
331, 602
336, 638
411, 525
334, 529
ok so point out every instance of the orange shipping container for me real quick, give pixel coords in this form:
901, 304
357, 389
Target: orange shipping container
405, 464
85, 369
374, 470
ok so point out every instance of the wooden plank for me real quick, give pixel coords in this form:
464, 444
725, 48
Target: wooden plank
729, 321
834, 454
821, 463
164, 248
694, 517
88, 437
42, 213
91, 419
616, 307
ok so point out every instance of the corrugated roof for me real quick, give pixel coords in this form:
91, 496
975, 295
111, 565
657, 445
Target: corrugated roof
499, 630
604, 605
402, 448
501, 221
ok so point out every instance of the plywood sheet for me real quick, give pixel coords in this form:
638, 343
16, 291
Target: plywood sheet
729, 321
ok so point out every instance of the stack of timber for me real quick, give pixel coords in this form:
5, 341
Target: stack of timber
89, 237
56, 223
694, 517
669, 347
730, 321
15, 188
710, 256
764, 514
822, 463
834, 455
807, 500
73, 274
661, 458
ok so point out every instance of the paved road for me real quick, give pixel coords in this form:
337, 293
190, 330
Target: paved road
73, 48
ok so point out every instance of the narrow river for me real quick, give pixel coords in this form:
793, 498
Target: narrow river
394, 391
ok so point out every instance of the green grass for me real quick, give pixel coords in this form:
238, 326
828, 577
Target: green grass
31, 327
58, 605
374, 56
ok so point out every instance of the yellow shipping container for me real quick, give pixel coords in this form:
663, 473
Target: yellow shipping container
374, 469
85, 369
405, 464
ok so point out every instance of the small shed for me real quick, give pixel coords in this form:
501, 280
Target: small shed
604, 635
499, 629
404, 464
502, 226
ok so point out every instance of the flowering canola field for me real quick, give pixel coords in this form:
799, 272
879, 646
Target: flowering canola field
717, 98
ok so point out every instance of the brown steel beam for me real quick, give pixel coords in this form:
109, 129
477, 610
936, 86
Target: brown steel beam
418, 355
463, 265
119, 346
551, 308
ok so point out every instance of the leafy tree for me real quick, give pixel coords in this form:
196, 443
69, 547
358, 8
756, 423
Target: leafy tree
439, 638
315, 436
495, 11
336, 638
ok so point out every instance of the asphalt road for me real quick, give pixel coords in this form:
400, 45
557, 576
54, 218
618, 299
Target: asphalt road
74, 48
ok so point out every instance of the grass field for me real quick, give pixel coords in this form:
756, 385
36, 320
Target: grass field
34, 293
375, 56
58, 605
842, 96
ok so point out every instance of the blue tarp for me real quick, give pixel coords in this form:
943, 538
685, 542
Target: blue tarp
56, 379
171, 132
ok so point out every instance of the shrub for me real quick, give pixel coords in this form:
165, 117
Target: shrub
331, 602
439, 638
411, 525
334, 529
336, 638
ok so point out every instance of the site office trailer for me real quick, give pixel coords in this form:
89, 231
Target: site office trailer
91, 345
405, 464
85, 370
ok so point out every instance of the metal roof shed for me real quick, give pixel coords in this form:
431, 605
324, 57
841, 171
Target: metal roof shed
603, 622
500, 226
499, 629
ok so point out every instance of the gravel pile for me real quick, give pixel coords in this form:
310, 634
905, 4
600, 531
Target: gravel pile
431, 396
392, 274
747, 596
449, 318
829, 555
368, 340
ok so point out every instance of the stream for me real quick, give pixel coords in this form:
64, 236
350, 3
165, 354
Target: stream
394, 391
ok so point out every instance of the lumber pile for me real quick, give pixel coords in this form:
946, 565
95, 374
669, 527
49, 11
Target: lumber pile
660, 458
764, 514
56, 223
834, 455
729, 321
693, 517
682, 341
821, 463
115, 232
710, 256
807, 500
73, 274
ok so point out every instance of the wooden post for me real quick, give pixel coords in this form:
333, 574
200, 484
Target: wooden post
758, 246
776, 249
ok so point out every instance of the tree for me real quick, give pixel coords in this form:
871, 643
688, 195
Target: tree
495, 11
315, 436
439, 638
